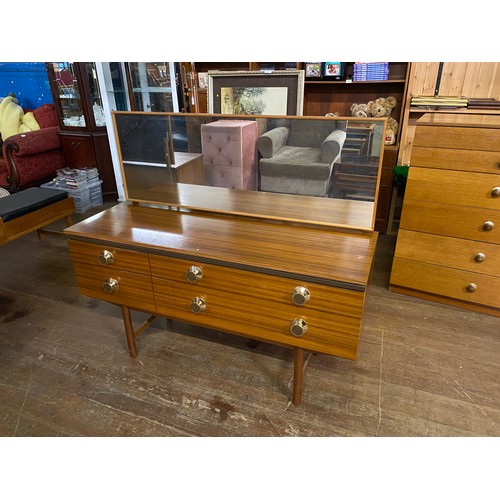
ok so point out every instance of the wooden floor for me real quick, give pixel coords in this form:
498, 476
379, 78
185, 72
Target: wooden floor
424, 369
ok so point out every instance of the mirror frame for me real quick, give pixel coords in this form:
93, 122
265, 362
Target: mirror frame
292, 208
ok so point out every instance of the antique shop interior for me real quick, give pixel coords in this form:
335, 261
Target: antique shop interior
250, 249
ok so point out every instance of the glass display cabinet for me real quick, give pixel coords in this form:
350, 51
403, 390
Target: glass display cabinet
82, 126
258, 226
152, 86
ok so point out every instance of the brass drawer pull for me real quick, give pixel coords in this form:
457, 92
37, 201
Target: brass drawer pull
298, 327
300, 295
480, 257
198, 305
495, 192
110, 285
194, 274
471, 287
106, 257
488, 226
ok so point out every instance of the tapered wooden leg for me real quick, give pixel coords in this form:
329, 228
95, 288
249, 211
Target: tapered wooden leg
298, 374
129, 331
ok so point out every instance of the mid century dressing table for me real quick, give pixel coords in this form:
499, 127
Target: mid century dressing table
280, 268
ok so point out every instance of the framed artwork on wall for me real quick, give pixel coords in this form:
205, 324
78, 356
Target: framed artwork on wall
256, 92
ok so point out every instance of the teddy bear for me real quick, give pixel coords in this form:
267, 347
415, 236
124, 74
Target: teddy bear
359, 110
380, 108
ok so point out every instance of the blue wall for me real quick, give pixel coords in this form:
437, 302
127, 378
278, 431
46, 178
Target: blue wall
28, 80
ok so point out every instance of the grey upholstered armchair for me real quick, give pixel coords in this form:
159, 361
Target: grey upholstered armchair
297, 155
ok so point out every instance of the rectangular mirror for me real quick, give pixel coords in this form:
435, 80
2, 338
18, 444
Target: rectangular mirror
319, 170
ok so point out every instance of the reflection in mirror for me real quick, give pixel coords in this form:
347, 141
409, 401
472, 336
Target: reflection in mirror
315, 158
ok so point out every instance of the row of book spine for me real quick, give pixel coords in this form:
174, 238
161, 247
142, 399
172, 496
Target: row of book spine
371, 71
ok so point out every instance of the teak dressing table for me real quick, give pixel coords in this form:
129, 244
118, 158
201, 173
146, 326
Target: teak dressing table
279, 268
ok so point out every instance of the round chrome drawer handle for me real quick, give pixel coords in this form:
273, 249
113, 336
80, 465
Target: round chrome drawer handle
495, 192
106, 257
480, 257
298, 327
488, 226
471, 287
194, 274
110, 285
198, 305
300, 295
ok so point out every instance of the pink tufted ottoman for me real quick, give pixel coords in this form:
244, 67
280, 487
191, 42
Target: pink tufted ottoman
230, 153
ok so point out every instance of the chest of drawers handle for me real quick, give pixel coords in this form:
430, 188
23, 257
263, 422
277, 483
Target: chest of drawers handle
488, 226
300, 295
106, 257
471, 287
495, 192
194, 274
298, 327
198, 305
110, 285
480, 257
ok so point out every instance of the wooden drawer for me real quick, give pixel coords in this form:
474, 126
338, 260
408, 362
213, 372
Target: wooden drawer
133, 290
453, 187
235, 311
456, 159
451, 220
273, 289
259, 305
447, 282
78, 151
481, 139
466, 255
129, 260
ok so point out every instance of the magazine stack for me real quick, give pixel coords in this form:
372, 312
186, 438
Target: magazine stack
82, 184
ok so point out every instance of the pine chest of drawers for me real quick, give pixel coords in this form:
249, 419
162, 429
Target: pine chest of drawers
448, 243
300, 287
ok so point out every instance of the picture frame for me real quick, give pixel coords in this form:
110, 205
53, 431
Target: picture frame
256, 93
313, 70
333, 71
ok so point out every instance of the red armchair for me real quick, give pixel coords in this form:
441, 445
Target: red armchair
32, 158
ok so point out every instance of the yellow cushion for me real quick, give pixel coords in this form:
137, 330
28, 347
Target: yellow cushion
3, 105
29, 122
11, 120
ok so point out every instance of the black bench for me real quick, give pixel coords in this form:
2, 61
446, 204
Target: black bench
32, 209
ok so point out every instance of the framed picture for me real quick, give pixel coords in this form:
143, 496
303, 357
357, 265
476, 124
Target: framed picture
312, 70
256, 92
333, 70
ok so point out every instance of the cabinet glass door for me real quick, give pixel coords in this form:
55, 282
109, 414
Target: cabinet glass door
153, 86
68, 96
95, 94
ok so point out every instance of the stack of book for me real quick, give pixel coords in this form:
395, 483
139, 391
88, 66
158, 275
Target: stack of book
364, 71
439, 102
486, 103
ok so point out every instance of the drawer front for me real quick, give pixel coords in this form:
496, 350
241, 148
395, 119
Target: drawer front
456, 159
259, 306
467, 255
131, 289
452, 220
453, 187
93, 254
78, 151
453, 283
481, 139
271, 289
